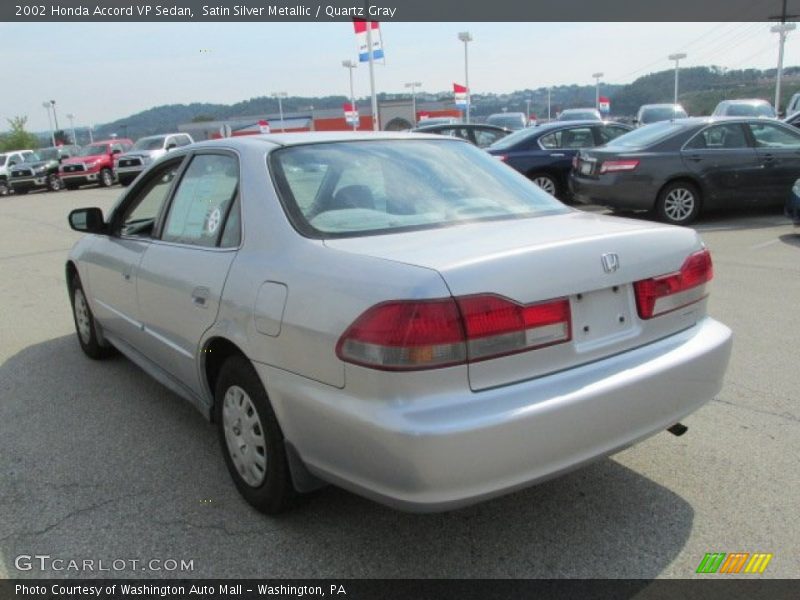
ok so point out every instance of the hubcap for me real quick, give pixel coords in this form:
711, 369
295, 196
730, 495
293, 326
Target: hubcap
55, 183
547, 184
82, 317
244, 436
107, 181
679, 204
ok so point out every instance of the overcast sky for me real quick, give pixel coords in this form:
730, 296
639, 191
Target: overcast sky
105, 71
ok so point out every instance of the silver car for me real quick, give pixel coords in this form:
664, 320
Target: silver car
146, 150
397, 314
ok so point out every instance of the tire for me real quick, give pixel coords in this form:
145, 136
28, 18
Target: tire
241, 406
124, 182
5, 189
85, 326
54, 183
547, 182
106, 178
678, 203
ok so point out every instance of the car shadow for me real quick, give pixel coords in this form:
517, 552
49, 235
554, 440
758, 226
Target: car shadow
792, 239
99, 461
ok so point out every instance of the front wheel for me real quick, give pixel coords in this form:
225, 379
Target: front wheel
678, 203
251, 439
5, 189
85, 325
106, 178
547, 182
54, 183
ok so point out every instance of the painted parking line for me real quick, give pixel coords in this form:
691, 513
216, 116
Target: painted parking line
764, 244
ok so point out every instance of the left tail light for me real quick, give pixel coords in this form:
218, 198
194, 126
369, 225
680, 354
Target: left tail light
666, 293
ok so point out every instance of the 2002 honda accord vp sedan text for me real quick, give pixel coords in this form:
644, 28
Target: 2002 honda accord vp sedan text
398, 314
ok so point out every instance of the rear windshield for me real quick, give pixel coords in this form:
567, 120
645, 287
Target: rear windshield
646, 136
512, 139
663, 113
578, 115
348, 189
750, 110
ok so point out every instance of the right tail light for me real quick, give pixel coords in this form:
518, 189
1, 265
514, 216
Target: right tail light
665, 293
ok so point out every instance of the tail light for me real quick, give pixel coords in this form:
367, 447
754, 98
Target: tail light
663, 294
427, 334
614, 166
500, 157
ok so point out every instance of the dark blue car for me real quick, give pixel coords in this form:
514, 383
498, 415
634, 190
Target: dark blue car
544, 153
793, 204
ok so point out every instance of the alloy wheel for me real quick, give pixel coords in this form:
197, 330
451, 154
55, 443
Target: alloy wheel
679, 204
546, 183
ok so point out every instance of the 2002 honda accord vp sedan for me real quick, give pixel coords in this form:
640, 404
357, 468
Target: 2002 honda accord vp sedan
398, 314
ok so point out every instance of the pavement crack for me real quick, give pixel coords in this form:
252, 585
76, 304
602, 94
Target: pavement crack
784, 415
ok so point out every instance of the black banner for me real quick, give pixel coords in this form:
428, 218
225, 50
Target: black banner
392, 10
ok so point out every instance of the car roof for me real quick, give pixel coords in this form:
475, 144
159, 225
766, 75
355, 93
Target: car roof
662, 105
424, 128
745, 101
576, 123
316, 137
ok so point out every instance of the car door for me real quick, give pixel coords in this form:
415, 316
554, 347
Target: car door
722, 157
778, 149
112, 262
562, 146
183, 272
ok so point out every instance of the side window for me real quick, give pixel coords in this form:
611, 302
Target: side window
141, 214
551, 141
610, 132
232, 234
719, 137
768, 135
202, 200
484, 138
183, 140
580, 137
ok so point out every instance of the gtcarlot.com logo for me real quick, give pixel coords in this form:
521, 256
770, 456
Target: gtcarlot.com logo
734, 562
45, 562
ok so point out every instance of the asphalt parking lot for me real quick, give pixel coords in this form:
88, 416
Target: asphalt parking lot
99, 462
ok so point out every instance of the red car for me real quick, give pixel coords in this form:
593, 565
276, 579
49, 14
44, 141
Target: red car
94, 164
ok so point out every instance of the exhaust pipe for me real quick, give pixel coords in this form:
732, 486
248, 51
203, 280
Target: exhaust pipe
678, 429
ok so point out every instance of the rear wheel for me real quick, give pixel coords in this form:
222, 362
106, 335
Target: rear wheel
251, 439
678, 203
106, 178
547, 182
54, 183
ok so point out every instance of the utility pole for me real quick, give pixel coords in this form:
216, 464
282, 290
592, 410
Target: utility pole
528, 105
548, 104
280, 96
783, 30
375, 124
55, 117
676, 57
414, 85
350, 65
466, 37
46, 106
597, 77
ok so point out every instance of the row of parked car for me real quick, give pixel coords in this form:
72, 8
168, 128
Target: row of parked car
100, 163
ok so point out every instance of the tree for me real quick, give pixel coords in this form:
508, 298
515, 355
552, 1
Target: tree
18, 138
202, 119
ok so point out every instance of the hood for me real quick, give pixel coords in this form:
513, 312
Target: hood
76, 160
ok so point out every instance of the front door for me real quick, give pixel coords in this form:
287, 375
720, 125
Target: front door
778, 148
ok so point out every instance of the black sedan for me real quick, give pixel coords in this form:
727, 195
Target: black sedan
544, 153
677, 168
480, 135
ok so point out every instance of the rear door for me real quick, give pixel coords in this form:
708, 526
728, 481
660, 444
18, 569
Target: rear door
183, 272
778, 150
723, 159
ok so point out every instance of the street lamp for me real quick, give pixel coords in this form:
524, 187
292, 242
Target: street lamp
350, 65
597, 77
414, 85
676, 58
46, 106
783, 29
280, 96
71, 118
55, 117
466, 37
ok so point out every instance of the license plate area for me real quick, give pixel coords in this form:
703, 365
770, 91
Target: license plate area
602, 317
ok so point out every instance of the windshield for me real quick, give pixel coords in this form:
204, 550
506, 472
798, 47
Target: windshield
647, 135
93, 150
662, 113
349, 189
47, 154
2, 160
507, 121
32, 157
149, 143
750, 110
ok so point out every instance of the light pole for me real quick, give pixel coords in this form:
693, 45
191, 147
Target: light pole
71, 118
46, 106
55, 117
783, 29
597, 77
350, 65
548, 104
414, 85
280, 96
528, 114
676, 58
91, 134
466, 37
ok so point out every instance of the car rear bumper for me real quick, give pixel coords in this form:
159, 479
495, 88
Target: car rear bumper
613, 191
427, 456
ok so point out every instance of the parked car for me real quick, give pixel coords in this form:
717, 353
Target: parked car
544, 154
480, 135
7, 161
793, 106
39, 170
94, 164
793, 119
579, 114
793, 204
476, 335
652, 113
438, 121
508, 120
752, 107
678, 168
128, 165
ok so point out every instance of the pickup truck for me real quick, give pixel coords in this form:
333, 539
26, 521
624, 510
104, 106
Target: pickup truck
146, 150
94, 164
39, 170
7, 161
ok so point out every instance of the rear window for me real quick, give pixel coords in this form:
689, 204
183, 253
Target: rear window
646, 136
348, 189
665, 113
750, 110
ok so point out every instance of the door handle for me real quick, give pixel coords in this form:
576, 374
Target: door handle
695, 158
200, 296
769, 158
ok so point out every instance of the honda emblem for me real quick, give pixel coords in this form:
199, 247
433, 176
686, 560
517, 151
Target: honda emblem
610, 262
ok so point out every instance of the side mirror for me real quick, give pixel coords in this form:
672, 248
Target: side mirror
87, 220
171, 147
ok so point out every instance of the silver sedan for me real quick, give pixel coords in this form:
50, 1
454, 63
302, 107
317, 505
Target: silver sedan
397, 314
